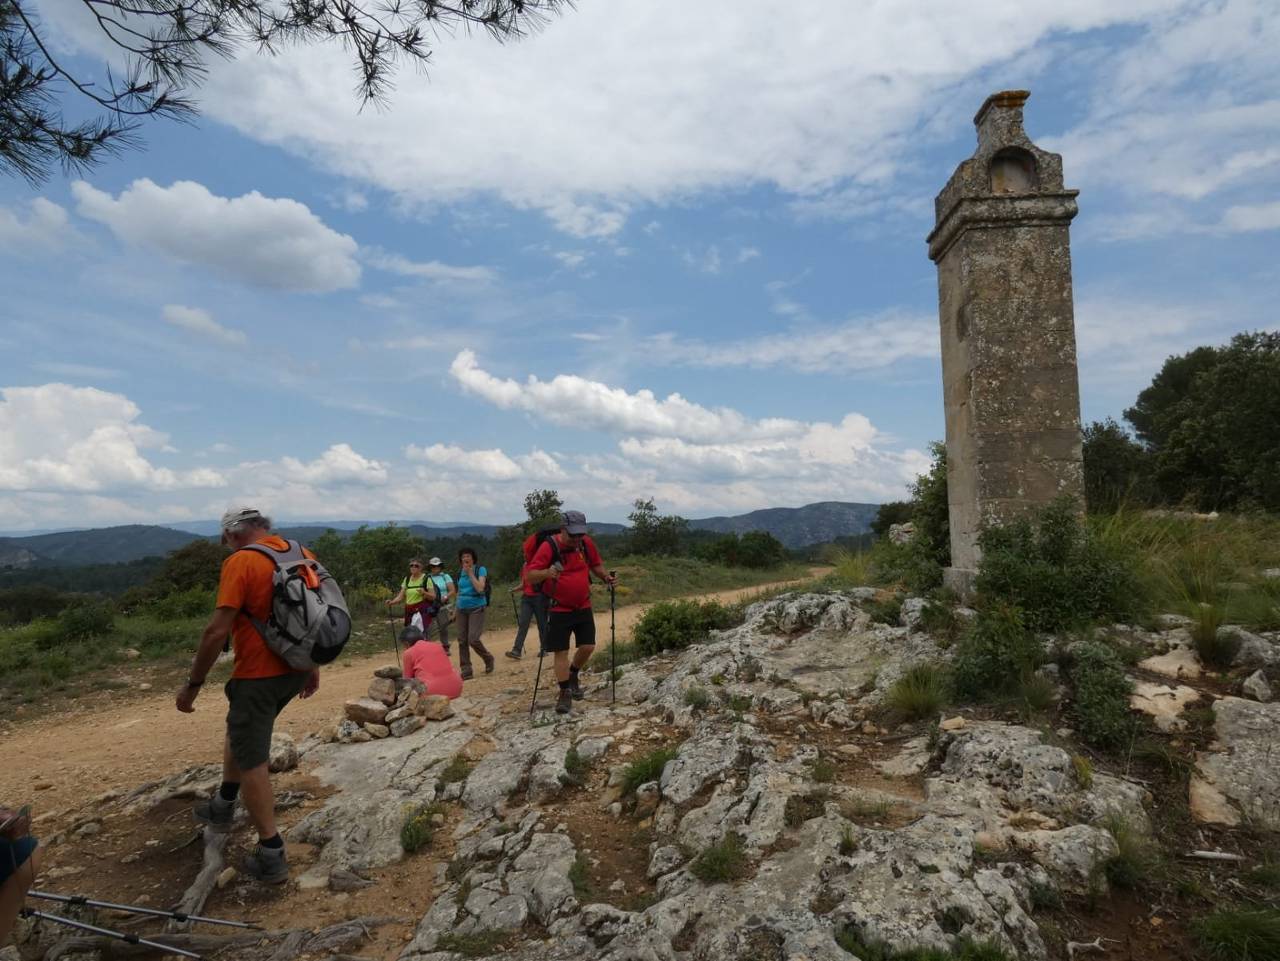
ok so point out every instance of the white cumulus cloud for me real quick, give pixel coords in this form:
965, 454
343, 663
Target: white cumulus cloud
45, 226
201, 323
492, 464
271, 242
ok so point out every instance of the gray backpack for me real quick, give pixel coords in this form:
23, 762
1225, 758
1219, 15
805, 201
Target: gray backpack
309, 623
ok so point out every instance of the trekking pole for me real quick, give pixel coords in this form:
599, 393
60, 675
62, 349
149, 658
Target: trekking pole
76, 900
395, 640
107, 932
542, 652
613, 643
514, 610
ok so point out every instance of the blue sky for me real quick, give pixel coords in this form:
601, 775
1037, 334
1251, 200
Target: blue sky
650, 251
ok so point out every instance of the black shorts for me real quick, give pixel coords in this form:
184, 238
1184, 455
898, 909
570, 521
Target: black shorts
254, 704
580, 623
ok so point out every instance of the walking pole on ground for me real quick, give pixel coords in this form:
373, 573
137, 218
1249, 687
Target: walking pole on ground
107, 932
613, 644
76, 900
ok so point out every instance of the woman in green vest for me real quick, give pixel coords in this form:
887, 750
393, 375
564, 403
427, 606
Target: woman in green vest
418, 594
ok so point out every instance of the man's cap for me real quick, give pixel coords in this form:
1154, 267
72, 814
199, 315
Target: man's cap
237, 515
434, 562
411, 634
575, 522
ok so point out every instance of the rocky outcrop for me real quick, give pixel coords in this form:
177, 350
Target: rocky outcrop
1243, 770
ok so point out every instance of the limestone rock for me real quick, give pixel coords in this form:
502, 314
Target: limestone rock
1254, 652
664, 860
383, 689
912, 610
1209, 805
365, 710
1071, 855
344, 879
396, 713
1244, 770
591, 749
391, 671
225, 877
901, 533
1163, 704
1178, 663
407, 725
284, 753
1256, 686
956, 723
647, 798
434, 707
377, 731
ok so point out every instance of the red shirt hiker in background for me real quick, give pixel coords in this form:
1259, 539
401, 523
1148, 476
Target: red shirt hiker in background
564, 565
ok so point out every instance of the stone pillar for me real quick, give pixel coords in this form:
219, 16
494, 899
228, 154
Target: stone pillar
1008, 332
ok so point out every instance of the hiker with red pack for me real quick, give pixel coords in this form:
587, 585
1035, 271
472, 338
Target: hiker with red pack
562, 566
533, 600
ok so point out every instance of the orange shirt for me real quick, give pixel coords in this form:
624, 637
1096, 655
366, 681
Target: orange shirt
245, 585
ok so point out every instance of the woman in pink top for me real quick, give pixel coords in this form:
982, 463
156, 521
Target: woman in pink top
427, 661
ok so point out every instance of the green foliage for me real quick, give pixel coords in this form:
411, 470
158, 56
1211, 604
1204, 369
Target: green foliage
890, 513
674, 625
723, 861
938, 617
854, 568
1117, 469
1102, 691
1215, 649
543, 509
647, 768
1043, 896
1239, 934
193, 602
654, 533
1212, 419
920, 693
1083, 769
822, 770
757, 550
848, 843
21, 605
417, 831
995, 653
476, 944
85, 621
803, 807
580, 878
575, 768
964, 950
1055, 570
1137, 859
697, 698
456, 770
197, 565
930, 512
887, 611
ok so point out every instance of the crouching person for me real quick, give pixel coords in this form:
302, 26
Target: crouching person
261, 685
427, 661
19, 865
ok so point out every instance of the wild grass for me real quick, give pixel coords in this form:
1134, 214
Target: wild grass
575, 768
476, 944
964, 950
920, 693
848, 843
647, 768
852, 568
697, 698
822, 770
456, 770
1239, 934
418, 831
580, 878
723, 861
804, 807
1137, 862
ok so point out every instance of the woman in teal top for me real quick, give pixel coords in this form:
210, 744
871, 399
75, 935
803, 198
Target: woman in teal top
471, 605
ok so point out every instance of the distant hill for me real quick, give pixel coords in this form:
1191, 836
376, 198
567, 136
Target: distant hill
794, 526
798, 526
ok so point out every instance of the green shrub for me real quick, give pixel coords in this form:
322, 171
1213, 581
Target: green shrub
477, 944
1035, 694
456, 770
1055, 570
697, 698
938, 618
1101, 696
822, 770
647, 768
417, 831
995, 653
193, 602
674, 625
575, 768
580, 878
964, 950
723, 861
1240, 934
1136, 859
86, 621
920, 693
804, 807
888, 611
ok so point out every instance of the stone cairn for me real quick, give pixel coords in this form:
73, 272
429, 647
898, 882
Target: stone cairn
394, 706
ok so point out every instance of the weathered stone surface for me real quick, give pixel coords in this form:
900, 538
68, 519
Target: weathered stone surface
1071, 855
377, 730
1254, 651
397, 713
1209, 805
1163, 704
407, 725
1256, 687
364, 710
434, 707
912, 610
647, 798
383, 689
284, 753
390, 671
901, 533
1245, 770
703, 759
592, 749
1177, 663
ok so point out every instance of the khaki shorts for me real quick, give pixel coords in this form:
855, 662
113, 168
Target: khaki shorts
255, 702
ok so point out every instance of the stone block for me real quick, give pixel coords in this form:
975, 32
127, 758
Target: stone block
365, 710
383, 689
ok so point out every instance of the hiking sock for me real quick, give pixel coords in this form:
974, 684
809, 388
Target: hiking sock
566, 685
229, 791
273, 843
573, 675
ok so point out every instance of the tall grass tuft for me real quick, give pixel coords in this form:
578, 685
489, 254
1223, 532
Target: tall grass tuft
1240, 934
920, 693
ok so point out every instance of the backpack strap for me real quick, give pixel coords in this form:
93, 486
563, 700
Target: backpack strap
290, 555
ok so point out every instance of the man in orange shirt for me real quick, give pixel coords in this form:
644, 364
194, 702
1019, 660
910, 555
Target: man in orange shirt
261, 685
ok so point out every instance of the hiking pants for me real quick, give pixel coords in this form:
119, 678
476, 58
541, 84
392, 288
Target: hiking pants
533, 607
441, 623
470, 627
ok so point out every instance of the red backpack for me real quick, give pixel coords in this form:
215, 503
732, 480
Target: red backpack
535, 541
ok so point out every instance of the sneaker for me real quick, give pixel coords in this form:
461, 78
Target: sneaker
489, 661
514, 655
215, 813
565, 701
268, 865
575, 688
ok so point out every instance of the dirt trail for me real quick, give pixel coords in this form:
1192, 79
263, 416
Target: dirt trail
70, 755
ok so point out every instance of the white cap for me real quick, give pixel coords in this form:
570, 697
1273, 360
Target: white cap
434, 562
238, 515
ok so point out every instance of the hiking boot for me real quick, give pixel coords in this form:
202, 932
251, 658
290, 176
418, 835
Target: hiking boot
576, 689
565, 701
465, 673
215, 813
514, 655
489, 661
268, 865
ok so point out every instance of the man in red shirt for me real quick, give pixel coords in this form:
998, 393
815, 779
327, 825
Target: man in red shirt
567, 560
261, 685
